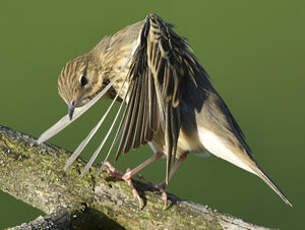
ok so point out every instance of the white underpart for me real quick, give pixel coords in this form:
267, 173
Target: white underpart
216, 146
152, 147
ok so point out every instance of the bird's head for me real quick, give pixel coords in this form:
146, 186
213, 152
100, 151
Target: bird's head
79, 81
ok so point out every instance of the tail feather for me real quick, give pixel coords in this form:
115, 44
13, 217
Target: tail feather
261, 174
237, 156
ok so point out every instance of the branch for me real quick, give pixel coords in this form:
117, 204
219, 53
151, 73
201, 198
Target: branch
34, 173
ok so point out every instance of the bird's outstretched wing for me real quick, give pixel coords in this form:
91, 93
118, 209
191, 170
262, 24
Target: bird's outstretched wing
155, 80
160, 63
65, 120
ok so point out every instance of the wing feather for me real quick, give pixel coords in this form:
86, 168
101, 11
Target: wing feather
155, 75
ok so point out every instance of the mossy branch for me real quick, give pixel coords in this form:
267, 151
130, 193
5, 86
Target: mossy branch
34, 173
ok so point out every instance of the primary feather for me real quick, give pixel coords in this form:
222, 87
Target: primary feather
169, 100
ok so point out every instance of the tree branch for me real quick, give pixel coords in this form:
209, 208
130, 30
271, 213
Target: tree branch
34, 173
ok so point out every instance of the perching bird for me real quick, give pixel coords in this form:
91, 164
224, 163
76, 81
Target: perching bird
168, 98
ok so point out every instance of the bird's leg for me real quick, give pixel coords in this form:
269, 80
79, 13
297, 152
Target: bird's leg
163, 185
129, 173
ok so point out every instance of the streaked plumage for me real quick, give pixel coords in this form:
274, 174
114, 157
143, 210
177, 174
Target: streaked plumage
169, 101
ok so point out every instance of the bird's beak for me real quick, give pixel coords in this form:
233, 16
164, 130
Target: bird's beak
71, 108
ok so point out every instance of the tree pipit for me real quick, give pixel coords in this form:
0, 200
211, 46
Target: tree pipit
168, 100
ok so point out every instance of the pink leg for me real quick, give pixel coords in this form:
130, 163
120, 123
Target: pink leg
178, 163
129, 173
163, 185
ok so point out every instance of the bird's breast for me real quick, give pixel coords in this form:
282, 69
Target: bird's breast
187, 142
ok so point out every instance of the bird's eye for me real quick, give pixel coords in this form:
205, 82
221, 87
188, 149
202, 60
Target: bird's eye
83, 80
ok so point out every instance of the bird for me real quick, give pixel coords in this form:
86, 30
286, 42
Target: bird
167, 101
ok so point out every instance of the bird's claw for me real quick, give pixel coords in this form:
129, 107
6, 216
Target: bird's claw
161, 187
126, 177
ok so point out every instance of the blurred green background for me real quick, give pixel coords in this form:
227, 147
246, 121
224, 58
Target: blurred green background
254, 52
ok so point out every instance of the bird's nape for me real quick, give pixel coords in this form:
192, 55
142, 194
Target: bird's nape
65, 121
154, 83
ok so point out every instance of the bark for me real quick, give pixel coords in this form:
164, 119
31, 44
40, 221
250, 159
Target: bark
34, 173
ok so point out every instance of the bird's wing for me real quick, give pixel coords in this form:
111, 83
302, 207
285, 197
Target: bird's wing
160, 63
65, 120
160, 67
156, 75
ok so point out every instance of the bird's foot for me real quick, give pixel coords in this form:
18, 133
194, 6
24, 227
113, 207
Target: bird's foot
161, 187
126, 177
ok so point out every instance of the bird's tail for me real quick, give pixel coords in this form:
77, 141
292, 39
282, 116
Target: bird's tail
260, 173
236, 155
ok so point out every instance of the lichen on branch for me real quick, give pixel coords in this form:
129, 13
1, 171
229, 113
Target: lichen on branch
34, 173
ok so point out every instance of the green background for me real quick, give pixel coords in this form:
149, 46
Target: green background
254, 52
